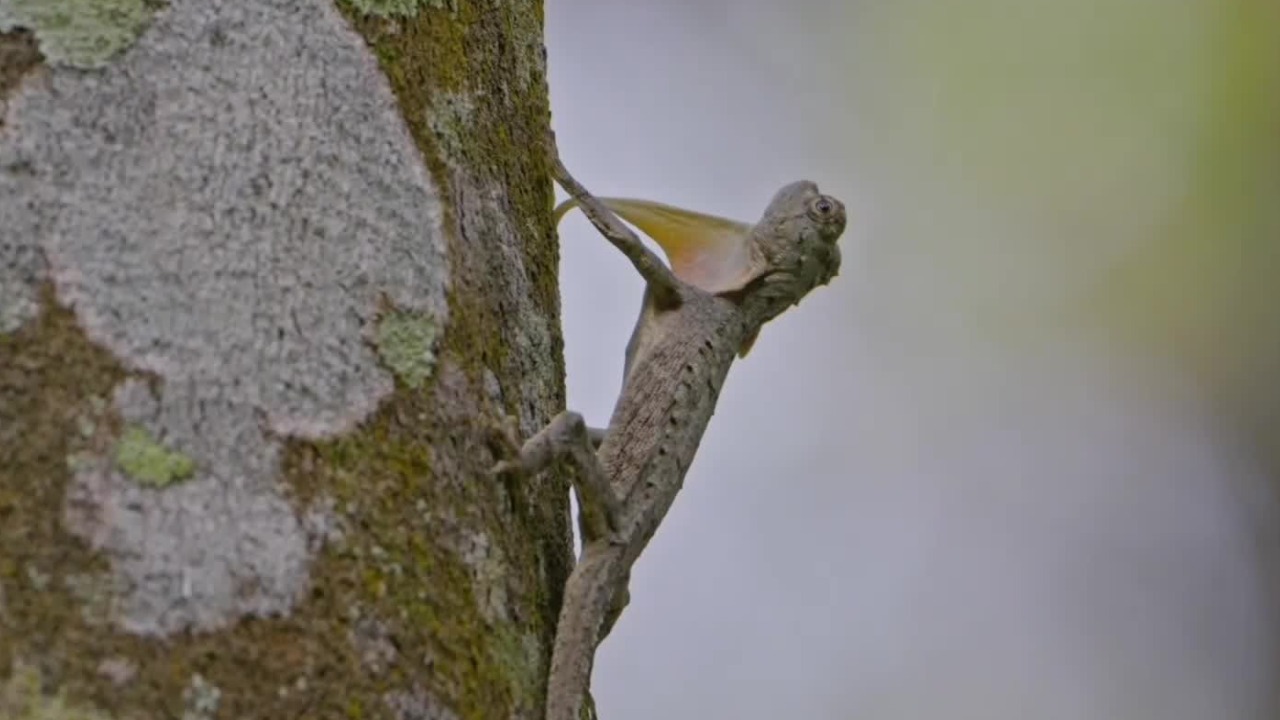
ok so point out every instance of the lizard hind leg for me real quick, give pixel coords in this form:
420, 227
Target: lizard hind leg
568, 437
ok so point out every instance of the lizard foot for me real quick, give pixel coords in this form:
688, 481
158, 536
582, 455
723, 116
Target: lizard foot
504, 439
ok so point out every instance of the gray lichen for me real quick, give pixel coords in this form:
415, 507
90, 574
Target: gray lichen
417, 704
200, 699
488, 572
17, 305
79, 33
21, 264
118, 670
374, 643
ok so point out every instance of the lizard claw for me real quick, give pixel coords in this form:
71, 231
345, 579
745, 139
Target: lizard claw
506, 467
504, 438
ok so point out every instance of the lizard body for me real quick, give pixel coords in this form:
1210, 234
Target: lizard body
726, 280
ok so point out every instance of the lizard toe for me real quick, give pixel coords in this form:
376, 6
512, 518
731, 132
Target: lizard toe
506, 467
504, 437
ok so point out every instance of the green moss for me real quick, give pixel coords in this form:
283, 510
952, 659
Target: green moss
398, 8
145, 460
404, 571
79, 33
518, 655
404, 342
21, 698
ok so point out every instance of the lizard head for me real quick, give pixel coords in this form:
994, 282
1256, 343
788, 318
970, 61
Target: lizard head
793, 247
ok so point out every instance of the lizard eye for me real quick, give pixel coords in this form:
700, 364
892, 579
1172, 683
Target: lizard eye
822, 207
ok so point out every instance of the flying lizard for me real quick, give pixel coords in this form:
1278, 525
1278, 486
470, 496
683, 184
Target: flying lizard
725, 280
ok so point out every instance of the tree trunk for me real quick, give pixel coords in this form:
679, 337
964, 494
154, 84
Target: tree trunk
268, 270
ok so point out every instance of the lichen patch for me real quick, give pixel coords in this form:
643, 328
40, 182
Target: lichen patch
144, 459
79, 33
405, 343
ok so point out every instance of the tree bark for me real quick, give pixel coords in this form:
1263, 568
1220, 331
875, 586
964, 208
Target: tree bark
267, 272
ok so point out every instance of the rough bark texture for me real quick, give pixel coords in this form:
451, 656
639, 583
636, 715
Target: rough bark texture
266, 271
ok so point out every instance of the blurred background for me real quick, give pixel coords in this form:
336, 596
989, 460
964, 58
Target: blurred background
1021, 458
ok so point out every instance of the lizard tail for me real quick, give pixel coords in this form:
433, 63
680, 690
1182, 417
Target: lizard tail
589, 596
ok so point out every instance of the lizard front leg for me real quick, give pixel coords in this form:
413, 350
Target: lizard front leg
667, 289
567, 436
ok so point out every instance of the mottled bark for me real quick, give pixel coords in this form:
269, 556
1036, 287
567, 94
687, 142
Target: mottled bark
267, 272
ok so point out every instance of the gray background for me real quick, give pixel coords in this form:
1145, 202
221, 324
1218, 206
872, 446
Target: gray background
924, 494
